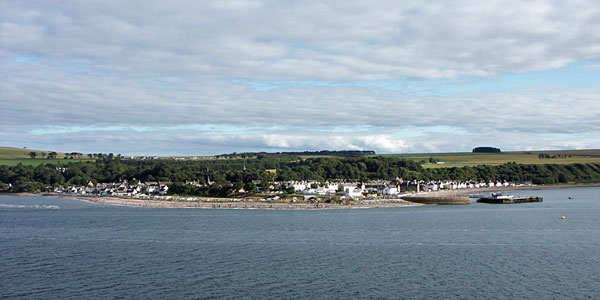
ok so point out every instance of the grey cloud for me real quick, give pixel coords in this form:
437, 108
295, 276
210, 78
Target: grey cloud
302, 40
160, 64
41, 95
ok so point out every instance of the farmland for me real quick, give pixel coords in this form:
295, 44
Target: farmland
13, 156
449, 160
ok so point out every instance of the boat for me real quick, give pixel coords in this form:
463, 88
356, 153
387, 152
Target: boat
498, 198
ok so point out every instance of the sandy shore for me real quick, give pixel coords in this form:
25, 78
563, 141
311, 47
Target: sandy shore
226, 204
240, 205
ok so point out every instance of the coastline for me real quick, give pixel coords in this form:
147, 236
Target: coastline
108, 200
401, 201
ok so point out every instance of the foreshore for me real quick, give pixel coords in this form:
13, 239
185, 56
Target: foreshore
401, 201
225, 204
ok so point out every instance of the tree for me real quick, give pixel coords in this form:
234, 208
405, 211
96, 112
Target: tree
33, 154
250, 187
238, 185
486, 150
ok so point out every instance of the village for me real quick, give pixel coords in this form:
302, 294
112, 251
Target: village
292, 191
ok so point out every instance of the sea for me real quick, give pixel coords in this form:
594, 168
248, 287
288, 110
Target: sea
53, 248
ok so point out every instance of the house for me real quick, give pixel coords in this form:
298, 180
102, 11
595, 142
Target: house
152, 187
163, 190
391, 190
298, 186
353, 191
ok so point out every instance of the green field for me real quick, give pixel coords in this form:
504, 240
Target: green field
450, 160
13, 156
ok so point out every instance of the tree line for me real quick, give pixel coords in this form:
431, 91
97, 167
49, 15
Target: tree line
234, 174
54, 155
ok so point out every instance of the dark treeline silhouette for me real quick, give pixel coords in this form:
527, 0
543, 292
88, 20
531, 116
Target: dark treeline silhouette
340, 153
486, 150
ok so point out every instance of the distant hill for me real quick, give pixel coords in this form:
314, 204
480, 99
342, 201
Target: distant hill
340, 153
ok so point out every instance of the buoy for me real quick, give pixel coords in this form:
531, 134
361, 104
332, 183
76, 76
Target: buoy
563, 217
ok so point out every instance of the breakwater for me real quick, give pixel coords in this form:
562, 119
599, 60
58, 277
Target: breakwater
439, 200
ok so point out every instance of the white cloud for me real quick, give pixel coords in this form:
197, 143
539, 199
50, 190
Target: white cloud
20, 37
175, 69
298, 40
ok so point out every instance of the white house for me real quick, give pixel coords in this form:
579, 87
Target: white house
391, 190
352, 191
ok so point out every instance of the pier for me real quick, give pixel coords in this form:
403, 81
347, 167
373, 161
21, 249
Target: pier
500, 199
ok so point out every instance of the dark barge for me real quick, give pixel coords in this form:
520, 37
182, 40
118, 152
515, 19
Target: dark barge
502, 199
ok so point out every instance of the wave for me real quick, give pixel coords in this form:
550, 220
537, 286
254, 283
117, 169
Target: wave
35, 206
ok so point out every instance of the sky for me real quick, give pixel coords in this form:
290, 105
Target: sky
211, 77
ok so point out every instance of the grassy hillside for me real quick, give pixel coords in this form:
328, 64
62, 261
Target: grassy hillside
13, 156
523, 157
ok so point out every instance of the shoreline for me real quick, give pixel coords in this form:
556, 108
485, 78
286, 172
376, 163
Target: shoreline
401, 201
108, 200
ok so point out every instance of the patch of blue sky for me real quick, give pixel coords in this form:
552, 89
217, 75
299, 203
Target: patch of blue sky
571, 136
573, 76
28, 59
213, 128
412, 131
579, 75
66, 65
347, 129
201, 128
232, 129
74, 67
81, 128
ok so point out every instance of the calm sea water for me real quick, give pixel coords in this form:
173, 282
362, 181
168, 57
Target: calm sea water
61, 248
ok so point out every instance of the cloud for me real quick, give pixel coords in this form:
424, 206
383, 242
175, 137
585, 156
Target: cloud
230, 75
342, 39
